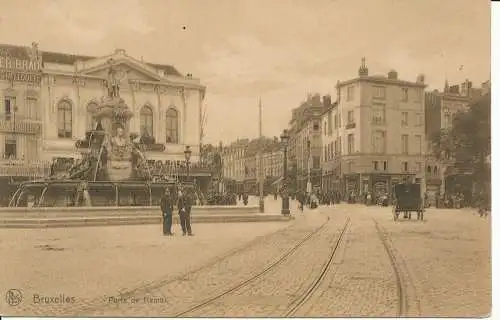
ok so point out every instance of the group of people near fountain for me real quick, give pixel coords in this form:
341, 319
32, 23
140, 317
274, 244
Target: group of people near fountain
182, 202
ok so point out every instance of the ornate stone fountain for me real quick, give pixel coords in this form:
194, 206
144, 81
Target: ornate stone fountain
114, 154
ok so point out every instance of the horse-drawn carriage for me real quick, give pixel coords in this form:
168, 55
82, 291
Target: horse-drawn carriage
407, 198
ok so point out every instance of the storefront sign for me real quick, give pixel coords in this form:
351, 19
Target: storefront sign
19, 77
18, 70
20, 65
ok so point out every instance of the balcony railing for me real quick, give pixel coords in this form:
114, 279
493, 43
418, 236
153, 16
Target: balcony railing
20, 124
350, 125
23, 168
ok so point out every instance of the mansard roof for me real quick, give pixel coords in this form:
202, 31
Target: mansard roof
20, 52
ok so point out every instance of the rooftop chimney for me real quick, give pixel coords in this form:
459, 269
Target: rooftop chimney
421, 79
327, 101
393, 75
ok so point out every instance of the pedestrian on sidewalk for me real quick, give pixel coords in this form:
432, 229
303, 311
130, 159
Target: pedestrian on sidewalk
184, 206
167, 208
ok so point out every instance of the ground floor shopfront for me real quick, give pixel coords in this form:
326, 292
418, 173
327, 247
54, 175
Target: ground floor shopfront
376, 184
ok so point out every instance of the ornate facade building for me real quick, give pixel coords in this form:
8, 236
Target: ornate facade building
379, 136
48, 100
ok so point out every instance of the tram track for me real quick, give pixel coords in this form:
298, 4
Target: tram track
98, 304
307, 295
296, 303
402, 308
256, 276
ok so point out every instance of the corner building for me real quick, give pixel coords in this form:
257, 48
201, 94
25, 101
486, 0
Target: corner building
380, 132
47, 99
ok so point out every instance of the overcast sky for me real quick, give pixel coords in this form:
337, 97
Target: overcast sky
279, 50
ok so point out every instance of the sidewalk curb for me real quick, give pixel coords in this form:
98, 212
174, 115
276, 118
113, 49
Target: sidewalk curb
21, 223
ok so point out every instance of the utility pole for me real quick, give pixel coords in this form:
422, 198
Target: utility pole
261, 169
309, 185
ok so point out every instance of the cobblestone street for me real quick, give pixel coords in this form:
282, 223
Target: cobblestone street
307, 267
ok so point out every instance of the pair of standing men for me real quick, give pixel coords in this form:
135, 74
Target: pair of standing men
167, 208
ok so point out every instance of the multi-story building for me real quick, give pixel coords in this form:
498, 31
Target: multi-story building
233, 157
440, 108
381, 131
48, 98
331, 141
272, 163
305, 140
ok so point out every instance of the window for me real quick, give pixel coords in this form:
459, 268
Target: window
418, 167
10, 148
9, 109
350, 143
350, 93
315, 126
379, 92
404, 94
447, 121
429, 171
324, 128
31, 109
418, 95
419, 119
404, 118
326, 153
172, 126
385, 166
418, 144
330, 129
378, 114
405, 166
316, 162
64, 119
336, 123
147, 121
336, 147
447, 118
350, 117
404, 144
91, 120
375, 165
378, 142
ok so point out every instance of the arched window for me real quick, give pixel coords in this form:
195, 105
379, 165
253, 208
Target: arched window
172, 126
147, 121
429, 170
91, 120
436, 170
64, 119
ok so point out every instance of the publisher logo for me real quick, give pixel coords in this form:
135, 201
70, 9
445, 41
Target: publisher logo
13, 297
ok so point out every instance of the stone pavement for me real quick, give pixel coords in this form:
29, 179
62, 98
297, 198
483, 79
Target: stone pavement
443, 263
89, 262
448, 258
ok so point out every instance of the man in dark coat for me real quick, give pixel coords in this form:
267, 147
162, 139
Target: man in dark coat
167, 208
184, 205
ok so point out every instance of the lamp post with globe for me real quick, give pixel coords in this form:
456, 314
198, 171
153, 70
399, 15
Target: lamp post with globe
187, 155
285, 204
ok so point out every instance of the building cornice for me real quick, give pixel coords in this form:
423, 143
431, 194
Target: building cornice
166, 84
381, 80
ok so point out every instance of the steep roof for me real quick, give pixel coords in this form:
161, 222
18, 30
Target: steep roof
20, 52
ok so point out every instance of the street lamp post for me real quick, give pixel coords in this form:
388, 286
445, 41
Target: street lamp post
285, 204
187, 155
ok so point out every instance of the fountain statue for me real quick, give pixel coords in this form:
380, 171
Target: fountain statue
113, 169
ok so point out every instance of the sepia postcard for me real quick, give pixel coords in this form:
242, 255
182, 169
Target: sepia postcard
245, 158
